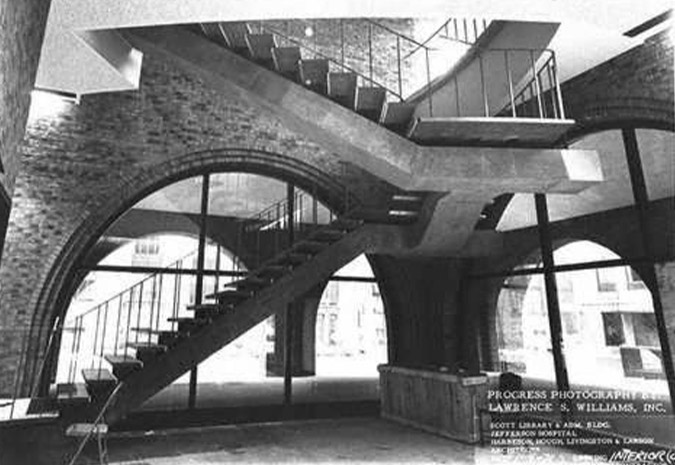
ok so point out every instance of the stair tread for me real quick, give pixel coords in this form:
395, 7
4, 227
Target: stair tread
348, 224
291, 257
267, 270
397, 114
314, 74
309, 243
230, 294
412, 198
383, 216
286, 60
179, 319
98, 375
122, 360
248, 281
235, 34
204, 307
327, 234
369, 98
146, 330
146, 346
342, 88
260, 46
72, 392
214, 32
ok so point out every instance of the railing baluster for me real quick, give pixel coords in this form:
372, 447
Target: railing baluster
557, 86
457, 96
73, 353
510, 83
431, 108
454, 22
153, 295
342, 41
117, 325
398, 66
126, 337
475, 30
486, 107
105, 326
98, 318
466, 30
536, 84
370, 50
551, 88
79, 344
138, 315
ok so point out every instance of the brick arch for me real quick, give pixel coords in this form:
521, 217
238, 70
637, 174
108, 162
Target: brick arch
485, 293
598, 115
63, 276
633, 89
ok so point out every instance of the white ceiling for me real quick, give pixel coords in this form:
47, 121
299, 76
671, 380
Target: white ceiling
79, 61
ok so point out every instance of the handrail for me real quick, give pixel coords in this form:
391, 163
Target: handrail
437, 33
97, 421
396, 33
330, 59
133, 286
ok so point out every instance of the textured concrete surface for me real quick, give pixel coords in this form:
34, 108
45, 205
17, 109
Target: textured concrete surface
350, 440
358, 440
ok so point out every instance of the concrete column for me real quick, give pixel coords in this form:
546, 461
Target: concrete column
303, 344
22, 26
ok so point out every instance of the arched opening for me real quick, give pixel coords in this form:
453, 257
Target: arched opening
608, 324
143, 274
351, 335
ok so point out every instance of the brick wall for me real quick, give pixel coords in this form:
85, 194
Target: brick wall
350, 39
636, 87
22, 27
88, 164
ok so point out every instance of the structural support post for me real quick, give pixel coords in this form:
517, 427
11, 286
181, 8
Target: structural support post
288, 327
552, 303
641, 198
199, 285
288, 355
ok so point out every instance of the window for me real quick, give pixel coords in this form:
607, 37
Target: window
633, 279
605, 281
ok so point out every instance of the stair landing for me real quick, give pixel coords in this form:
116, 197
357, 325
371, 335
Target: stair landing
491, 131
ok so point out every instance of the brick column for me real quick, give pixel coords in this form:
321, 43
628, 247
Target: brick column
22, 25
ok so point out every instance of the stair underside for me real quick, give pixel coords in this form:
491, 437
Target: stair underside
489, 131
227, 327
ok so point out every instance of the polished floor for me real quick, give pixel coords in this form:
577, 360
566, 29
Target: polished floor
269, 391
355, 440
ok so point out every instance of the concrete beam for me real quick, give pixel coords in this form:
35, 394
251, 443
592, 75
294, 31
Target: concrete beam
474, 170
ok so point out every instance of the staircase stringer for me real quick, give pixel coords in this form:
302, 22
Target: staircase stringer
272, 299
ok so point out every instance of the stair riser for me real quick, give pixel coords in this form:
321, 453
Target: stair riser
148, 355
101, 390
123, 371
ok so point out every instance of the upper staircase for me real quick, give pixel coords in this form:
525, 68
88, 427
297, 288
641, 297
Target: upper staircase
503, 90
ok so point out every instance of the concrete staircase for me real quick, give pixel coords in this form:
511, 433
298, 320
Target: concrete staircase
160, 356
457, 107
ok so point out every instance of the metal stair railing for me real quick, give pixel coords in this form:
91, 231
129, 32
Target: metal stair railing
103, 313
151, 306
412, 70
